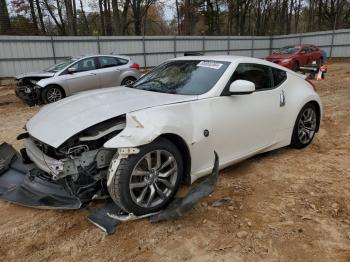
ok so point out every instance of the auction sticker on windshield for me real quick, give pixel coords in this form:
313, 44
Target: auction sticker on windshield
210, 64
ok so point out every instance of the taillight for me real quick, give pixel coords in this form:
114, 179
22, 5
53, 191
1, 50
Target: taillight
312, 84
135, 66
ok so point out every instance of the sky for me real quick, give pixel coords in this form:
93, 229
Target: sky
169, 10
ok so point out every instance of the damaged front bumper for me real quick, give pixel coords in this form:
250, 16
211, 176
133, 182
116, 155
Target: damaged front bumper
31, 95
26, 185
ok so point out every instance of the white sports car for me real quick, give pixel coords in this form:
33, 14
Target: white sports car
139, 142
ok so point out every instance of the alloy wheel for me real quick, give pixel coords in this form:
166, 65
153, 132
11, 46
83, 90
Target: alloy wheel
307, 125
153, 178
54, 94
128, 82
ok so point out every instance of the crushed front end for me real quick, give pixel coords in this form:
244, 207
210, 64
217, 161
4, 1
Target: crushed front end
66, 177
28, 91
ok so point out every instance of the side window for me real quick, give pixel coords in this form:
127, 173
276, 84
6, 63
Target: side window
122, 61
279, 76
85, 65
260, 75
108, 61
305, 49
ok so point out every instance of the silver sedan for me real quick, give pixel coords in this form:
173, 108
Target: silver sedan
75, 75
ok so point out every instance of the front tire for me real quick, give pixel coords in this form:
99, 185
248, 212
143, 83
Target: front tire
148, 181
305, 126
52, 94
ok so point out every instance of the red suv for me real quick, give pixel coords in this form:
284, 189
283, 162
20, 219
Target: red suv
295, 56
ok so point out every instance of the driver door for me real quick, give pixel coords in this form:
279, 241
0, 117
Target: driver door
247, 123
86, 76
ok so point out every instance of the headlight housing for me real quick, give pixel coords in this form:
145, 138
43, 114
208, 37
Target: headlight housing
33, 81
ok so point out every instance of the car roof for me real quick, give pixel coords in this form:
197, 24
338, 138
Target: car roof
225, 58
112, 55
236, 59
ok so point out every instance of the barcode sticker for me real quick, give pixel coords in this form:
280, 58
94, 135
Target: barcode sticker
210, 64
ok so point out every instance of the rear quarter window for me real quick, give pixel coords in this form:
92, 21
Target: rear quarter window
122, 61
279, 76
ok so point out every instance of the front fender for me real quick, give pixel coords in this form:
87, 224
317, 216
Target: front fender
142, 128
45, 82
188, 120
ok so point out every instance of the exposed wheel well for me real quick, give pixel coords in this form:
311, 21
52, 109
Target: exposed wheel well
185, 153
318, 111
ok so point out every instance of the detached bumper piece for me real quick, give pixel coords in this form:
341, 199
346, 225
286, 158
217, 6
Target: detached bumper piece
110, 216
100, 218
25, 185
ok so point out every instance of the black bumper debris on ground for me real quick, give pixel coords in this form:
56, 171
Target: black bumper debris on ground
25, 185
106, 217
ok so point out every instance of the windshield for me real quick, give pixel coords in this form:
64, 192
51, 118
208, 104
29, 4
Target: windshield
287, 50
184, 77
61, 65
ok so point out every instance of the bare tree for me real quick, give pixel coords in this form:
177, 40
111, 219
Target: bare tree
102, 18
139, 9
49, 8
33, 15
120, 17
5, 23
71, 29
42, 25
87, 28
107, 14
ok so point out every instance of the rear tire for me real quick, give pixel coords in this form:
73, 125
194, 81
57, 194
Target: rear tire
148, 181
52, 93
305, 126
128, 80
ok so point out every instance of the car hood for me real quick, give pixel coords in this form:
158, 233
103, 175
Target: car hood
57, 122
41, 74
279, 56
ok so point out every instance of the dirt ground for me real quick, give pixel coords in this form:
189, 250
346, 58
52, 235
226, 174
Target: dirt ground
286, 205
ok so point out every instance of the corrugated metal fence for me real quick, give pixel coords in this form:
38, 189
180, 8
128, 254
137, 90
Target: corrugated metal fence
19, 54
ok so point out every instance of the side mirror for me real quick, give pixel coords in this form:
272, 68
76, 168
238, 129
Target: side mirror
72, 70
242, 87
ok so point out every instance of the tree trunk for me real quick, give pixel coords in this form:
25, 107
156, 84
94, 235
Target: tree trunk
178, 17
187, 18
70, 17
84, 17
60, 26
33, 15
42, 25
107, 7
102, 20
74, 17
5, 23
116, 18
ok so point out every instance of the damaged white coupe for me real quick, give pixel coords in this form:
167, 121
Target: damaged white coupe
138, 143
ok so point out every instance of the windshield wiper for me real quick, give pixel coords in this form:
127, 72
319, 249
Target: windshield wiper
150, 81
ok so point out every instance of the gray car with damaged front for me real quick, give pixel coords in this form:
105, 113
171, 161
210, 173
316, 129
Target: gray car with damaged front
74, 75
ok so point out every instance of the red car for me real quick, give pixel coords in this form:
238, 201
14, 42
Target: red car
295, 56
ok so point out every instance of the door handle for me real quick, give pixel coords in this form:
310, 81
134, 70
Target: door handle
282, 99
